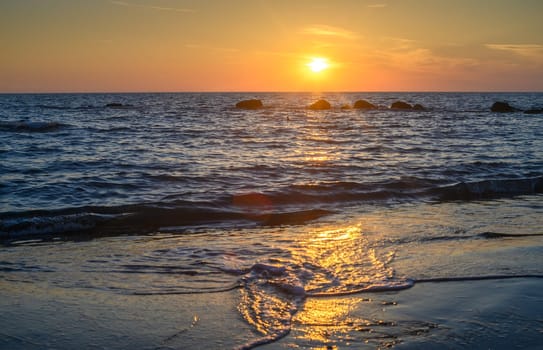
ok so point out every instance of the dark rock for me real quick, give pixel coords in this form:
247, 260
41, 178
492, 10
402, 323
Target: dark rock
401, 105
363, 104
534, 111
250, 104
502, 107
320, 104
115, 105
418, 107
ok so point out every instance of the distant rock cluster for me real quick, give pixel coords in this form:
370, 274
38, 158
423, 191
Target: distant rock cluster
324, 105
504, 107
498, 107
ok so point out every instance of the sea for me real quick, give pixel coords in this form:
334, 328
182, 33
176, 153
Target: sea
148, 195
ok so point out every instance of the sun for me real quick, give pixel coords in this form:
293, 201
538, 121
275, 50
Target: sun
318, 64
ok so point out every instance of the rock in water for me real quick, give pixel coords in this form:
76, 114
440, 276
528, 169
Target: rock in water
418, 107
401, 105
534, 111
117, 105
363, 104
502, 107
320, 104
250, 104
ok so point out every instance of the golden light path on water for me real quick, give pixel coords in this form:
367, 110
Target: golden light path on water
331, 264
320, 263
341, 260
317, 147
349, 263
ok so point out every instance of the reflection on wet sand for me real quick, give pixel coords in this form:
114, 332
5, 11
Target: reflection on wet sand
322, 263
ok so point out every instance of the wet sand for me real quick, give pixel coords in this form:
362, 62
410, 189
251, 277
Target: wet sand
57, 318
491, 314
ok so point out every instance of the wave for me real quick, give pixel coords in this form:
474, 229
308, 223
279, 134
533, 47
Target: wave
403, 189
341, 192
143, 219
474, 278
488, 189
497, 235
31, 126
65, 108
294, 205
113, 105
460, 236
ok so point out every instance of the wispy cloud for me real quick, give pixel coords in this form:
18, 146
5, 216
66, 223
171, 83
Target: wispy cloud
377, 5
152, 7
399, 44
527, 50
527, 55
410, 55
329, 31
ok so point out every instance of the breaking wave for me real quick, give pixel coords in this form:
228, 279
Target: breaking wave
31, 126
294, 205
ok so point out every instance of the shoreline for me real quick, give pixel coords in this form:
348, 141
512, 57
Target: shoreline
474, 314
497, 314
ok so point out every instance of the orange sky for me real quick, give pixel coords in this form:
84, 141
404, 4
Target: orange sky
265, 45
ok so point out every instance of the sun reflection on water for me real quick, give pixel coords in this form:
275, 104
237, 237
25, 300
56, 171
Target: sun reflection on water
324, 261
327, 320
313, 283
341, 260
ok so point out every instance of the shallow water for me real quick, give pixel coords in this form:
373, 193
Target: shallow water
181, 198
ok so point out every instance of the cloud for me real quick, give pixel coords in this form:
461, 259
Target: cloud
158, 8
377, 5
399, 44
526, 50
405, 54
329, 31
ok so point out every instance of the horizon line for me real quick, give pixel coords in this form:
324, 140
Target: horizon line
263, 92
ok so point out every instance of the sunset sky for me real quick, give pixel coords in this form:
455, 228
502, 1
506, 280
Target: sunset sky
266, 45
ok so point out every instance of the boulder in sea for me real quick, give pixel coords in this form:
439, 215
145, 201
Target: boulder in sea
419, 107
115, 105
250, 104
534, 111
346, 106
502, 107
363, 104
320, 105
400, 105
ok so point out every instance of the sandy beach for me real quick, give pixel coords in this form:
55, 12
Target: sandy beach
493, 314
498, 314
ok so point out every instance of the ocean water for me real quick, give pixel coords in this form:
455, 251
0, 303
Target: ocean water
146, 195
